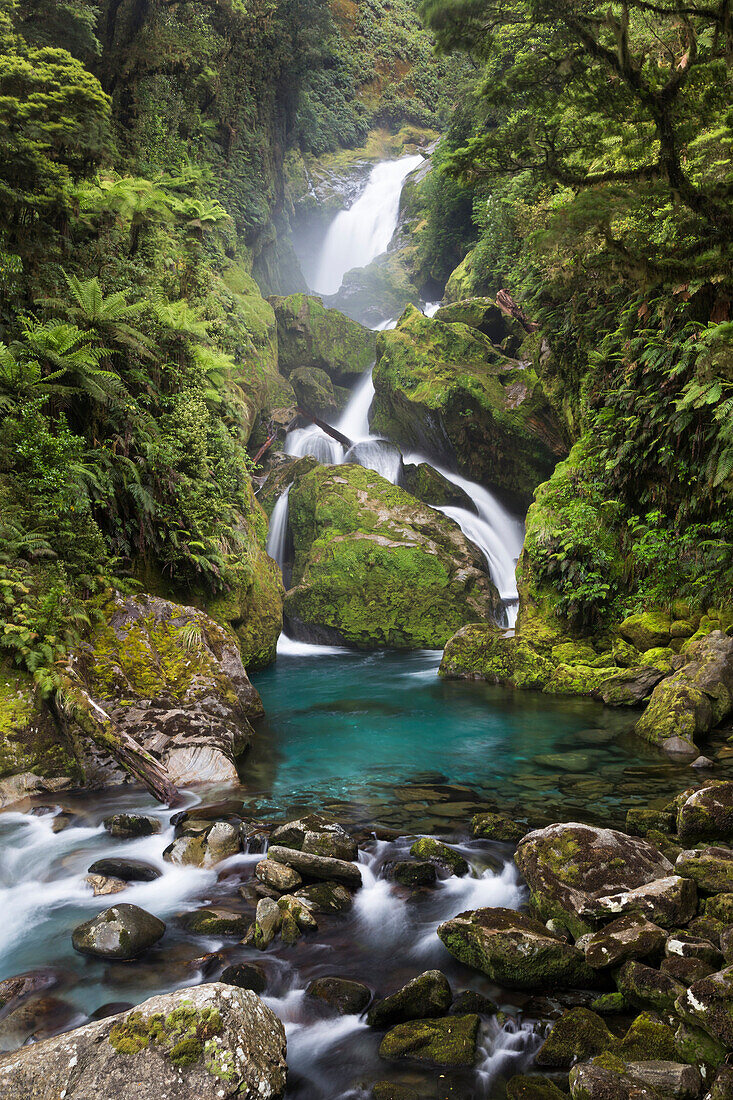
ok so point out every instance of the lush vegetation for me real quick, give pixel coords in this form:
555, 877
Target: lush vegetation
599, 154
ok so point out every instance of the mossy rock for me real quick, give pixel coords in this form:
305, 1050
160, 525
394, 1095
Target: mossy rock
373, 567
423, 997
427, 484
428, 848
450, 1041
492, 826
315, 393
487, 317
381, 289
444, 389
30, 739
533, 1087
577, 1036
646, 987
697, 1048
253, 609
309, 335
648, 1039
484, 652
647, 630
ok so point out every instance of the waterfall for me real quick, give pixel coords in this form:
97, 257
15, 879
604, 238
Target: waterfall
278, 531
354, 422
360, 234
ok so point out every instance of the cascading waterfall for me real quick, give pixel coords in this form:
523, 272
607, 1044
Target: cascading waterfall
277, 534
363, 232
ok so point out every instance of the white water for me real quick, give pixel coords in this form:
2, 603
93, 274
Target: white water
363, 232
277, 532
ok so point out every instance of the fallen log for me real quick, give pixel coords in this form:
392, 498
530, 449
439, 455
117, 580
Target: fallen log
333, 432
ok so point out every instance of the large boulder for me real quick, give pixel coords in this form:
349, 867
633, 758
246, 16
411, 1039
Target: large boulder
568, 866
309, 335
373, 567
123, 931
35, 756
693, 700
213, 1042
450, 1041
668, 902
427, 995
173, 680
708, 1004
445, 390
706, 814
514, 950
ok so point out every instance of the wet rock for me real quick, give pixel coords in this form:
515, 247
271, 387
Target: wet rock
648, 988
640, 821
300, 913
684, 970
37, 1018
533, 1087
697, 1048
268, 922
647, 630
129, 870
17, 788
647, 1038
493, 826
428, 994
211, 1042
203, 844
687, 946
722, 1086
325, 897
215, 922
667, 902
310, 335
469, 1002
568, 866
629, 686
514, 950
317, 835
668, 1079
393, 1090
610, 1004
245, 976
14, 990
630, 937
121, 932
410, 872
443, 856
708, 1004
347, 997
697, 697
719, 908
127, 826
577, 1036
450, 1041
105, 884
290, 930
278, 876
317, 867
425, 483
711, 869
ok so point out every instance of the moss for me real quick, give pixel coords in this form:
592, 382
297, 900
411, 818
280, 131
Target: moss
448, 380
577, 1036
646, 630
182, 1034
30, 740
647, 1039
427, 847
483, 652
186, 1052
444, 1042
697, 1048
309, 335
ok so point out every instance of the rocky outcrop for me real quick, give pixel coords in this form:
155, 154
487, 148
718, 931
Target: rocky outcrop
171, 679
693, 700
212, 1042
309, 335
446, 390
373, 567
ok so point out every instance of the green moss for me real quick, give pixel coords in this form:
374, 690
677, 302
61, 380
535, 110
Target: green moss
427, 847
309, 335
444, 1042
30, 740
483, 652
182, 1034
577, 1036
186, 1052
647, 1039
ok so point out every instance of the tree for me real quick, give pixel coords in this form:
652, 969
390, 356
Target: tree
107, 316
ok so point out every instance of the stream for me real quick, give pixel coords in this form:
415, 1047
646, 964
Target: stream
378, 741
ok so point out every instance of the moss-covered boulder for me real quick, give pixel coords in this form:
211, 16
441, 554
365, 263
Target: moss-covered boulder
668, 902
208, 1042
647, 630
696, 1047
427, 484
706, 814
444, 389
578, 1035
481, 651
172, 679
445, 857
483, 314
309, 335
645, 987
492, 826
427, 995
708, 1004
33, 747
630, 937
315, 392
533, 1087
450, 1041
373, 567
567, 866
648, 1038
693, 700
710, 868
514, 950
342, 994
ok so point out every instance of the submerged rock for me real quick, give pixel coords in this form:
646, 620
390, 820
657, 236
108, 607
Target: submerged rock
374, 567
212, 1042
444, 1042
568, 866
492, 826
427, 995
215, 921
123, 931
514, 950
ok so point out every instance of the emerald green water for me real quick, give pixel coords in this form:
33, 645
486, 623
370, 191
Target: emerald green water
372, 732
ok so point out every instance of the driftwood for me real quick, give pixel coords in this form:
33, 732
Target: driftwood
333, 432
507, 304
76, 707
265, 447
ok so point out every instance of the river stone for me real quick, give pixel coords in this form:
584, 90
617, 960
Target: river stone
300, 913
709, 1004
684, 970
105, 884
668, 902
245, 976
630, 937
648, 1037
19, 987
212, 1042
214, 922
347, 997
491, 826
668, 1079
268, 922
514, 950
711, 869
411, 872
533, 1087
576, 1036
127, 826
450, 1041
707, 814
129, 870
318, 867
427, 847
469, 1002
695, 1047
277, 875
687, 946
428, 994
325, 897
394, 1090
566, 866
316, 834
646, 987
203, 844
123, 931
